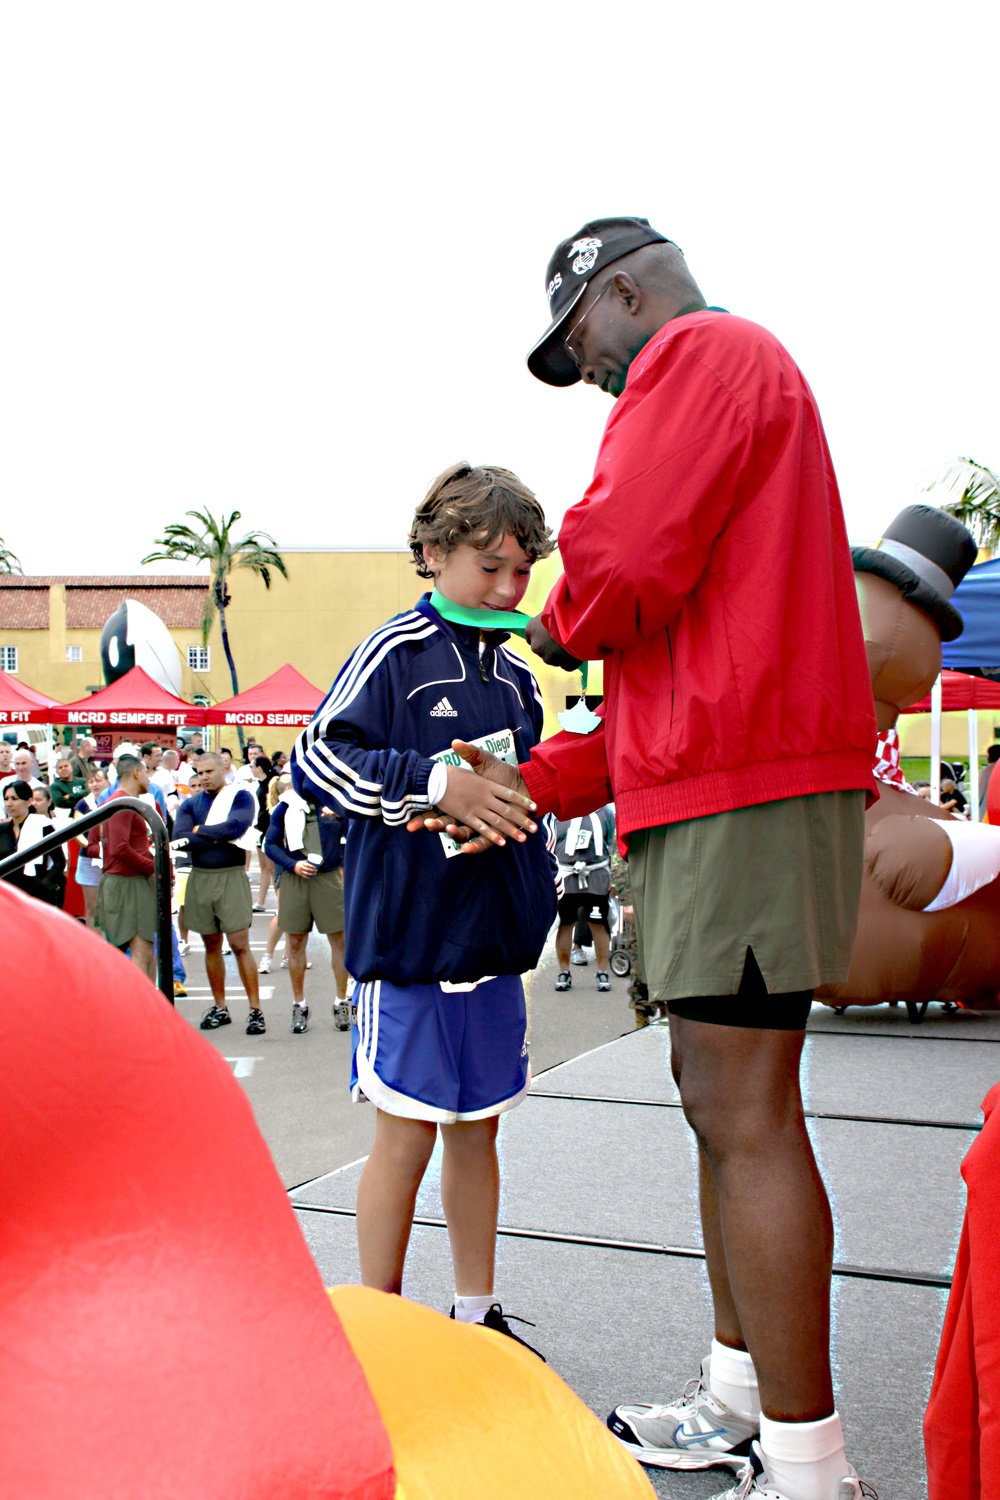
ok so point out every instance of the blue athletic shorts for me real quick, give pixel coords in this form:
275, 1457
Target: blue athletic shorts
441, 1052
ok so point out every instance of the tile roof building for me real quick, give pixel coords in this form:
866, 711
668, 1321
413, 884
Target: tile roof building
26, 603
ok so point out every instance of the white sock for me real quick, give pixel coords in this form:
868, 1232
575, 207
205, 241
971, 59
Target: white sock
732, 1380
804, 1460
472, 1309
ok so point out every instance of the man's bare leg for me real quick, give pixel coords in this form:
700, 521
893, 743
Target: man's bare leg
336, 941
215, 967
602, 944
295, 947
387, 1194
769, 1212
564, 937
143, 956
240, 944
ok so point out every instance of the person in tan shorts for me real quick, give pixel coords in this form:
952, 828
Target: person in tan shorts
307, 850
217, 899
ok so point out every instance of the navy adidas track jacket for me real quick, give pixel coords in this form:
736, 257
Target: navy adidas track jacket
412, 913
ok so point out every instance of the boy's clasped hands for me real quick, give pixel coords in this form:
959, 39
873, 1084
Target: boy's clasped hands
484, 809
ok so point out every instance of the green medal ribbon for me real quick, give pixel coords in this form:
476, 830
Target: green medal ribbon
516, 622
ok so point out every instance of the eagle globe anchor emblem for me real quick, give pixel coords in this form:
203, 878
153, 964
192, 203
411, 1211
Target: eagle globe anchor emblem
586, 255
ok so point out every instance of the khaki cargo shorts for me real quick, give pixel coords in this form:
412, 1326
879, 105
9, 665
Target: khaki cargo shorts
218, 901
302, 902
782, 878
126, 908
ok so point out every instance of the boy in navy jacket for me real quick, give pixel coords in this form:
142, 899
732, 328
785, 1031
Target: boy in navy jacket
438, 942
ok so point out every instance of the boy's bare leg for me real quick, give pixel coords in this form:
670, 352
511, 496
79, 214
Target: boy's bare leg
336, 941
602, 944
769, 1212
470, 1192
387, 1194
564, 936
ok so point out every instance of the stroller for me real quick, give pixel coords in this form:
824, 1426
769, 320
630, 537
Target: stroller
622, 938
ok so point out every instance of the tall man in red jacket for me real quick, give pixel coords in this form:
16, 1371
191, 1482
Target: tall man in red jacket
708, 567
126, 904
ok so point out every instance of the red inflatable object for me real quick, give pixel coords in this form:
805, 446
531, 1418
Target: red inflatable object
165, 1331
962, 1425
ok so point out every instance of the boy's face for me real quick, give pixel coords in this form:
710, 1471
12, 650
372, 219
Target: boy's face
496, 578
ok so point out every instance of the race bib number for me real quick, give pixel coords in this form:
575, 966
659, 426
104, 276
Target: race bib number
501, 744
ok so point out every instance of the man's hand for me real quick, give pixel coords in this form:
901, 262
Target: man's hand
305, 869
550, 650
479, 812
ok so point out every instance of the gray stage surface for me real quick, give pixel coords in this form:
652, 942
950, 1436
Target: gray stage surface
600, 1244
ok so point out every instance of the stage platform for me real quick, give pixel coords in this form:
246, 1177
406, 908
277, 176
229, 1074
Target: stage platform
600, 1243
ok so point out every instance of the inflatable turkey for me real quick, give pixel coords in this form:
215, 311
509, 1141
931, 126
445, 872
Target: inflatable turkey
929, 925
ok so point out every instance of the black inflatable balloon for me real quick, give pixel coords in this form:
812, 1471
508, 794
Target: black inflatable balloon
135, 636
117, 656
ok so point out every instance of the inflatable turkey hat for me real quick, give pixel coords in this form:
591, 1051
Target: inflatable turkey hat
929, 920
926, 554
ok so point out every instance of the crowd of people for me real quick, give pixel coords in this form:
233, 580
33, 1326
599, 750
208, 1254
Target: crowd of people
216, 812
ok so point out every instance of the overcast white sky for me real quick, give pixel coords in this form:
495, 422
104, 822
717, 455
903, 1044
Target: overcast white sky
290, 258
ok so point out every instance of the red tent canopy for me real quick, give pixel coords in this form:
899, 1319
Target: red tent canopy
133, 699
960, 691
18, 701
285, 699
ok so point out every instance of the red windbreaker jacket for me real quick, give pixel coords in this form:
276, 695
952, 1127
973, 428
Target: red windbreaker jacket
708, 565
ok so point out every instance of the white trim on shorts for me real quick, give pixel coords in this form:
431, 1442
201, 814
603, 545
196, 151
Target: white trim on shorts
370, 1086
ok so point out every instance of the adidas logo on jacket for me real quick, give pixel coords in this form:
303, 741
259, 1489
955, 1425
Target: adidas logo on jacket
412, 914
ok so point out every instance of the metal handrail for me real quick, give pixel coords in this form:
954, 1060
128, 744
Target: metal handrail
161, 871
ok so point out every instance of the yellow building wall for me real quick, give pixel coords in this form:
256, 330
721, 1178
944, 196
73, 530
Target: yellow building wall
329, 603
915, 734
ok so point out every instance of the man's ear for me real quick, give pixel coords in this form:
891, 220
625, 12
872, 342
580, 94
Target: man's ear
432, 555
628, 292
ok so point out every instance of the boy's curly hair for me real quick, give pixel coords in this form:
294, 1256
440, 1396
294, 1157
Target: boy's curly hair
478, 507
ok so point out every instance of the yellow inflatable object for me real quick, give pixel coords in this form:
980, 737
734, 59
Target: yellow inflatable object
471, 1413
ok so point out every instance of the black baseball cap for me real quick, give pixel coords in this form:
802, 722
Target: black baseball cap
574, 264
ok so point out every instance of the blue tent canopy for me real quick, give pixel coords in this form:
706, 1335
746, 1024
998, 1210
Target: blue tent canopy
977, 599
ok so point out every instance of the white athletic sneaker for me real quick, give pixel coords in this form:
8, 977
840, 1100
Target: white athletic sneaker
693, 1432
751, 1484
264, 967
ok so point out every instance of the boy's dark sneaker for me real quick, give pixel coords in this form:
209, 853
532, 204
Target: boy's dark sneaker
342, 1015
217, 1015
564, 980
300, 1018
603, 977
496, 1320
255, 1023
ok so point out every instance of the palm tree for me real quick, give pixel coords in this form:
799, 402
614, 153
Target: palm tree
977, 499
214, 544
8, 562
